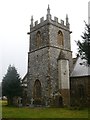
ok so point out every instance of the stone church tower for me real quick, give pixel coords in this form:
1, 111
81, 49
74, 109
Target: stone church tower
49, 61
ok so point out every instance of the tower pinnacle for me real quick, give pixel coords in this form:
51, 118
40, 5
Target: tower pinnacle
67, 22
66, 18
48, 10
48, 13
31, 21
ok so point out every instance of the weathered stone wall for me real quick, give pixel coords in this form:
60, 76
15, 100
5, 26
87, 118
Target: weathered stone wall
39, 69
44, 37
76, 98
54, 54
43, 59
53, 30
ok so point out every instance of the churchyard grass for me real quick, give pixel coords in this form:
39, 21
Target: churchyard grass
27, 112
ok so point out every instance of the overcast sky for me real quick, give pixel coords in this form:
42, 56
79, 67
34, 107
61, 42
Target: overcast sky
15, 18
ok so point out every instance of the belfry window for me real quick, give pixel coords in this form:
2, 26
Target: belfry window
60, 38
38, 39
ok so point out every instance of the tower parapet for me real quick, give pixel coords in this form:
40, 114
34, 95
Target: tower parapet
41, 19
36, 22
56, 21
62, 22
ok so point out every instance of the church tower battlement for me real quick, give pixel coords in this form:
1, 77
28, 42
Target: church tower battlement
48, 71
49, 19
47, 26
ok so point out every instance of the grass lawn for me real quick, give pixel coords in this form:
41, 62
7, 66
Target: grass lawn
27, 112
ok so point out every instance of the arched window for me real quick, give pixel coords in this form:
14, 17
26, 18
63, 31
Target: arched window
38, 39
37, 89
60, 38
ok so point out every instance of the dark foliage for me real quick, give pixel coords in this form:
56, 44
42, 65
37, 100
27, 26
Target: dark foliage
11, 84
84, 46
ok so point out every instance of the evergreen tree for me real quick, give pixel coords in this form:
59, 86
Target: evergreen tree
11, 84
84, 46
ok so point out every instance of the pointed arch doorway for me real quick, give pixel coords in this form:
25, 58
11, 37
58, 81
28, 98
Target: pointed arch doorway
37, 92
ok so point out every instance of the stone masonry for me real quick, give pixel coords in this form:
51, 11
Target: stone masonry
44, 53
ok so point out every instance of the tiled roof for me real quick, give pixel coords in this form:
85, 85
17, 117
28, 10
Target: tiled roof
80, 68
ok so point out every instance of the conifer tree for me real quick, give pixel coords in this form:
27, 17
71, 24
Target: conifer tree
11, 84
84, 46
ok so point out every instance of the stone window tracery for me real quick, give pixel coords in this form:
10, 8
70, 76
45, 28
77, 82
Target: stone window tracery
38, 39
60, 38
